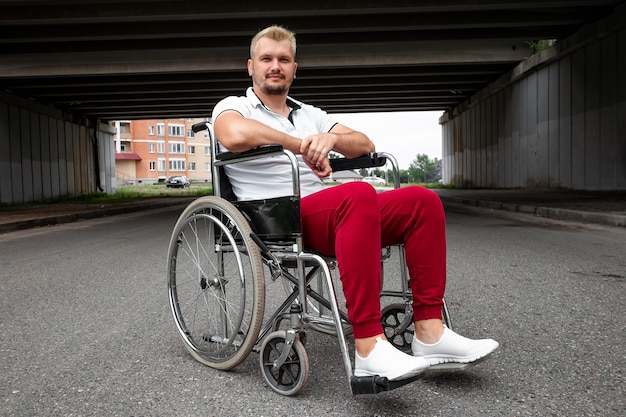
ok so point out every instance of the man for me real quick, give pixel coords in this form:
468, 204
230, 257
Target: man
351, 221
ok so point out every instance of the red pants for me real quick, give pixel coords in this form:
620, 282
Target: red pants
352, 222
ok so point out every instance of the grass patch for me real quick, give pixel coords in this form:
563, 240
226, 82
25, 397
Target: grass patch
135, 192
437, 185
122, 195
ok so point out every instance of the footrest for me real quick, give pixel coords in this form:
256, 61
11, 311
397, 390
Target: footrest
376, 384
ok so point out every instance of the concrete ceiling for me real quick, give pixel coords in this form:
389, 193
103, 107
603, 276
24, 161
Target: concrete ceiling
142, 59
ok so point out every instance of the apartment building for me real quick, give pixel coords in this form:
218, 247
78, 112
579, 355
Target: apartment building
149, 151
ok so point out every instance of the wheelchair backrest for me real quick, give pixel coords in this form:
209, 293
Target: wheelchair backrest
274, 219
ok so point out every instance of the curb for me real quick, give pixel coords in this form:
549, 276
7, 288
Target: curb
606, 219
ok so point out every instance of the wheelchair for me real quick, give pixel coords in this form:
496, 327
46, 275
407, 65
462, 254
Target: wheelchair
221, 251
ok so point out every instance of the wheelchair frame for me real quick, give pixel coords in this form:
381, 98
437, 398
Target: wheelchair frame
216, 282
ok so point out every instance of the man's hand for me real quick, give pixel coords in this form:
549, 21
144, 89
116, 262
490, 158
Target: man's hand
315, 148
322, 170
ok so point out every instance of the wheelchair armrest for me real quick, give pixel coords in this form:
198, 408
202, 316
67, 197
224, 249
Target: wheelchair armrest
369, 160
265, 150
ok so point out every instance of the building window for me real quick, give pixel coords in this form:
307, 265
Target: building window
160, 129
192, 166
151, 130
207, 166
176, 130
207, 150
161, 146
177, 147
152, 165
190, 133
177, 164
192, 150
151, 146
206, 134
122, 147
161, 162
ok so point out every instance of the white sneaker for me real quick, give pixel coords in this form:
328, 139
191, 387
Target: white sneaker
453, 347
387, 361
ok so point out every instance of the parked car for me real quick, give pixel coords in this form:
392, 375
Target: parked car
177, 181
375, 180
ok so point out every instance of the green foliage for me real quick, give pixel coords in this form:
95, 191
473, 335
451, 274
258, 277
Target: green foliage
405, 177
538, 46
421, 169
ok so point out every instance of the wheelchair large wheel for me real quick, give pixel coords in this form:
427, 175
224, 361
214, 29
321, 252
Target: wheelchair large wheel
216, 283
290, 377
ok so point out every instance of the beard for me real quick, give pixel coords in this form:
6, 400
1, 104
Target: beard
273, 89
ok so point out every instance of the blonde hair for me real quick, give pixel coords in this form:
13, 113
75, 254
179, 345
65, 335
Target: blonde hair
277, 33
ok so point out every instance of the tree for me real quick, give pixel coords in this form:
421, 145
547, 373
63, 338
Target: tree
420, 168
404, 176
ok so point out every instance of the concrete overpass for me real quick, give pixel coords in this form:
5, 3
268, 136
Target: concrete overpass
67, 66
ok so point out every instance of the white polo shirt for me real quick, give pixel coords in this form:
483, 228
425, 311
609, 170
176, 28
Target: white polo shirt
271, 177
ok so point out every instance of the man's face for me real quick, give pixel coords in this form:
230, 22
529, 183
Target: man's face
273, 66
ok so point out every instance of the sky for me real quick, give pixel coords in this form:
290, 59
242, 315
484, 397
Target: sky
402, 134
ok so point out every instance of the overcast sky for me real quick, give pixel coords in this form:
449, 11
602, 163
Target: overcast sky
402, 134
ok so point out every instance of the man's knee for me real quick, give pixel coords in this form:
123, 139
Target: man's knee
424, 195
359, 192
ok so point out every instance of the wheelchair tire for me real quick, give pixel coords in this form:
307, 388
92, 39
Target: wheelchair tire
216, 283
290, 377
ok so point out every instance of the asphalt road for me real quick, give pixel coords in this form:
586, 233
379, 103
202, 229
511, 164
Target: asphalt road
85, 327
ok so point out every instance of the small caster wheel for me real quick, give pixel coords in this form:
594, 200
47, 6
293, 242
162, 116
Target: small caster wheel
398, 326
291, 376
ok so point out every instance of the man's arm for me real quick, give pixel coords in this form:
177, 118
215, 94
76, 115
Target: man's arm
239, 134
342, 139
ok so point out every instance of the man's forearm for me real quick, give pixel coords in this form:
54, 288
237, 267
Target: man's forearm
238, 134
351, 143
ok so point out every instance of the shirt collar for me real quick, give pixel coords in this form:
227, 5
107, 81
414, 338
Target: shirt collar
256, 101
